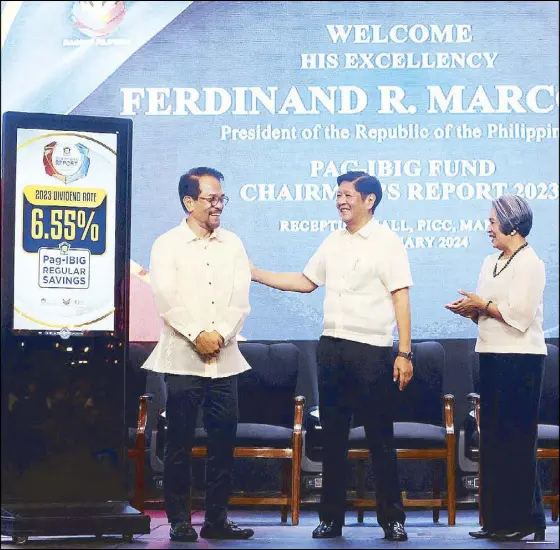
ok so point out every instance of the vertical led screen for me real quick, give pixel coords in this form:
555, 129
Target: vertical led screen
64, 258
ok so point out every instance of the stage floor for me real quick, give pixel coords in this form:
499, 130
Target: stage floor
269, 532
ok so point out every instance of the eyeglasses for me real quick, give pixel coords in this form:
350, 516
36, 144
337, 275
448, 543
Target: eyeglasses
214, 201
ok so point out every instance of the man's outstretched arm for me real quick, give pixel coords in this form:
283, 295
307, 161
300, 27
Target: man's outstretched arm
294, 282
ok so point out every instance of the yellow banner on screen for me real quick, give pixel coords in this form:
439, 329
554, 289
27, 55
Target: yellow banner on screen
62, 196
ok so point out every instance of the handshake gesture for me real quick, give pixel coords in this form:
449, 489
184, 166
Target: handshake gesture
208, 344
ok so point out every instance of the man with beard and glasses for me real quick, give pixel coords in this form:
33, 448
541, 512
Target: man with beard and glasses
200, 276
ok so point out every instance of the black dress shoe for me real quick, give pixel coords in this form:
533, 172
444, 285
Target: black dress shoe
514, 536
539, 535
327, 530
394, 531
182, 531
482, 534
227, 530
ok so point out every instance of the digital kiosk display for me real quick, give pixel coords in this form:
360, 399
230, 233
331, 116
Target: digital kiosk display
64, 258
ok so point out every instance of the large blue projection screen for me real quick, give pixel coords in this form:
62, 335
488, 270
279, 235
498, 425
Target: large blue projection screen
450, 104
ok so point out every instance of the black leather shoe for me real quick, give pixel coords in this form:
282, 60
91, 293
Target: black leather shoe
482, 534
327, 530
182, 531
514, 536
227, 530
539, 535
395, 532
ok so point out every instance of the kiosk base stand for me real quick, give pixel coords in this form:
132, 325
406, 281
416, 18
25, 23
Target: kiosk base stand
21, 521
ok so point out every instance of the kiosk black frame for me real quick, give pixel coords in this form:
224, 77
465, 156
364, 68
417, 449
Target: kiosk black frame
64, 458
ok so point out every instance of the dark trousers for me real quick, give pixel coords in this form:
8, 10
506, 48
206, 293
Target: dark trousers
355, 377
510, 391
218, 398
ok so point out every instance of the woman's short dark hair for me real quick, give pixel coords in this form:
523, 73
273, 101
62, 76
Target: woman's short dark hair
365, 185
513, 212
189, 183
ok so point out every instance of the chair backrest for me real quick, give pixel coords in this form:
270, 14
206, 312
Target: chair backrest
267, 390
548, 412
422, 400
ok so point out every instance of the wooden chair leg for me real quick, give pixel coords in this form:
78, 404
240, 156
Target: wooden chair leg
137, 500
286, 488
189, 503
296, 482
480, 518
436, 488
477, 417
360, 486
140, 483
139, 453
451, 497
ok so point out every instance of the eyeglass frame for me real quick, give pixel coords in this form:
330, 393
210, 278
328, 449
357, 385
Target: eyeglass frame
214, 201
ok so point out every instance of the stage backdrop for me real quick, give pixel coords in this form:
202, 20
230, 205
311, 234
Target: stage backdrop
449, 104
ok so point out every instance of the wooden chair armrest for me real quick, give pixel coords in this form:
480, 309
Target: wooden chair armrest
299, 402
449, 413
142, 414
474, 400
